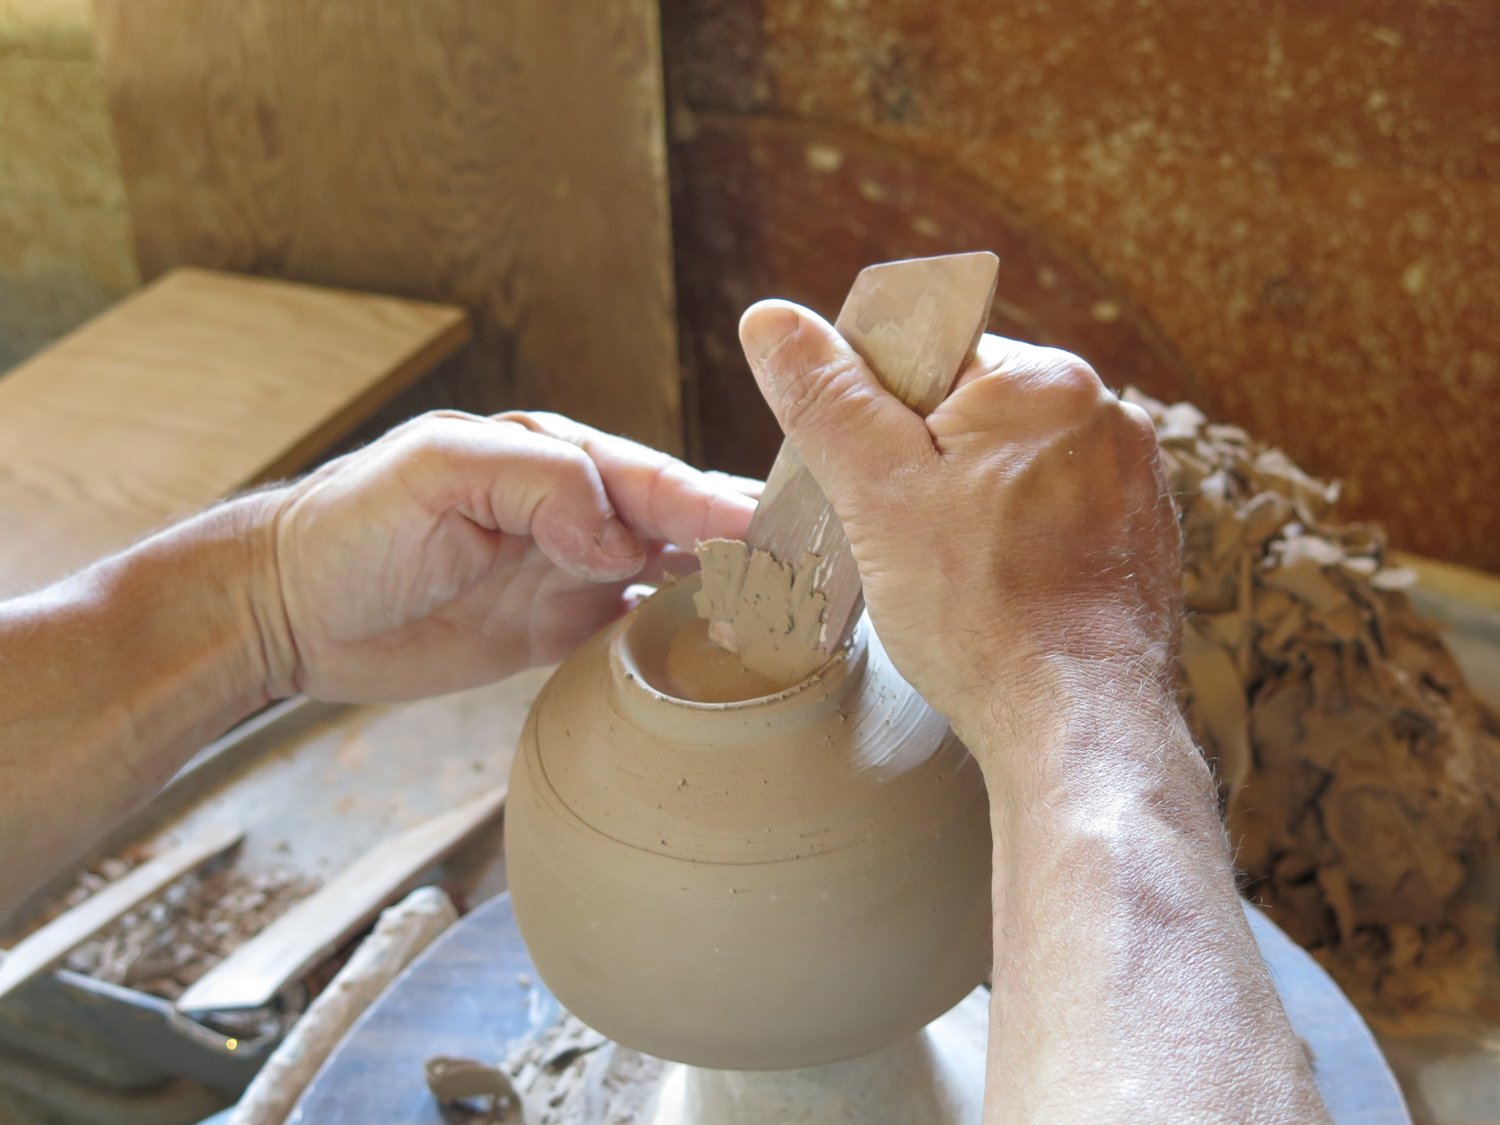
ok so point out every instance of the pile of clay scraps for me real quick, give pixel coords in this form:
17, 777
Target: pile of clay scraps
1361, 775
164, 945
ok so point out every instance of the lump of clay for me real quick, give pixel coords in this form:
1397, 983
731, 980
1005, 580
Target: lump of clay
454, 1080
1361, 775
767, 612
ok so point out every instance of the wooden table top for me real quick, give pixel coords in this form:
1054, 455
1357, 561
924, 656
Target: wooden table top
197, 386
474, 993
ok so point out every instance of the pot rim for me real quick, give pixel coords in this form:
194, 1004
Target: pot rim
671, 606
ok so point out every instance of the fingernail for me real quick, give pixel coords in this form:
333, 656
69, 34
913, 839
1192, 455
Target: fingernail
763, 329
616, 540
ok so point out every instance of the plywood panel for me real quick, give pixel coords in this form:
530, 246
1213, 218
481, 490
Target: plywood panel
507, 157
65, 247
1297, 198
199, 385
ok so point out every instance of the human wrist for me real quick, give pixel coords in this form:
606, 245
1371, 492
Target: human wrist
260, 515
1110, 788
223, 565
179, 614
1018, 685
230, 552
1088, 732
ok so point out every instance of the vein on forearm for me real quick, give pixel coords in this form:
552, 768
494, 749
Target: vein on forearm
1126, 979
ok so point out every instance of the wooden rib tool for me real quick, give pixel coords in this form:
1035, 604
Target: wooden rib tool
251, 976
916, 324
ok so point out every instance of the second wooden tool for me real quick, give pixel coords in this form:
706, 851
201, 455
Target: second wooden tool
253, 974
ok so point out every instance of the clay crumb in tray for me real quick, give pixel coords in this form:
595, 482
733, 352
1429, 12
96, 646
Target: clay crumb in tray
170, 940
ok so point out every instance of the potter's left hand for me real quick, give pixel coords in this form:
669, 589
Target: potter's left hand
458, 549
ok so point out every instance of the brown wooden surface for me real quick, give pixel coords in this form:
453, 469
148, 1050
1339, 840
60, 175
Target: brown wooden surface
507, 157
1293, 203
202, 384
64, 226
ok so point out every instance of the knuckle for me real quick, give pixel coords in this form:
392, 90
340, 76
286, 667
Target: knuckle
1073, 377
1138, 423
1137, 450
435, 430
566, 459
1136, 416
532, 421
546, 422
808, 393
427, 422
1060, 384
443, 418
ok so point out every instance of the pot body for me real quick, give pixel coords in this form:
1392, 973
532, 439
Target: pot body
780, 882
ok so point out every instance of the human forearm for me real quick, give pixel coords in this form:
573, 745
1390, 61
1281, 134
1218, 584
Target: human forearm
112, 678
1127, 985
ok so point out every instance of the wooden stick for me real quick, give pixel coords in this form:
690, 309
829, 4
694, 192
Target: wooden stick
251, 976
402, 932
916, 324
69, 930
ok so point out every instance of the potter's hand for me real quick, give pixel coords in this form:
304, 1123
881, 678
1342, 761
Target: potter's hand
457, 549
1011, 542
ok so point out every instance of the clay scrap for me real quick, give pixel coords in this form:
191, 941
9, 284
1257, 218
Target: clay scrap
765, 610
454, 1081
1361, 775
568, 1074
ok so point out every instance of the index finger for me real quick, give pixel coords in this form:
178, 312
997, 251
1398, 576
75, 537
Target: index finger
653, 493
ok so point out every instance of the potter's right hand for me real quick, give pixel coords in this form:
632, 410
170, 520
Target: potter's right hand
1017, 546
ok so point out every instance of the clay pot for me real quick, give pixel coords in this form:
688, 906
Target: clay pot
776, 882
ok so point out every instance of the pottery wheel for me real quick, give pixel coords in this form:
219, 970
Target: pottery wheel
474, 993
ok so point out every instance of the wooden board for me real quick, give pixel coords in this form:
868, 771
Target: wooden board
915, 323
251, 976
72, 928
202, 384
1474, 589
63, 220
508, 157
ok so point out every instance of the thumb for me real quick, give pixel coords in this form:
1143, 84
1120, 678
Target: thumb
847, 427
